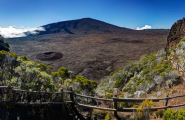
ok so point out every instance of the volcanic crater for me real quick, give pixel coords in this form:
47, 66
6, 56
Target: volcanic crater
49, 56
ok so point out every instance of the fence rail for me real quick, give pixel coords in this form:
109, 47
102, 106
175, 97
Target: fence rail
13, 95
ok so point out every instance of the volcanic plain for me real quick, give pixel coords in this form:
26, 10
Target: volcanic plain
88, 47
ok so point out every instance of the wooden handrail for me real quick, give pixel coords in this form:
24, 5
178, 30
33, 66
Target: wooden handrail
137, 100
115, 100
40, 91
95, 107
93, 97
42, 103
85, 96
3, 87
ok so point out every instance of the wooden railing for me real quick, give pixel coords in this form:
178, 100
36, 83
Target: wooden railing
25, 97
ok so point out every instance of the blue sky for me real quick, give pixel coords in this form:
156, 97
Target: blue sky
123, 13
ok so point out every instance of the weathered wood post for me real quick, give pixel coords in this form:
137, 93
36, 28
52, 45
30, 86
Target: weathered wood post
11, 109
72, 97
87, 100
62, 99
177, 66
115, 106
166, 101
10, 94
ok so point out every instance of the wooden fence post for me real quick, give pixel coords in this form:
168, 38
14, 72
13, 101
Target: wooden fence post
10, 94
72, 97
62, 99
166, 101
71, 94
115, 106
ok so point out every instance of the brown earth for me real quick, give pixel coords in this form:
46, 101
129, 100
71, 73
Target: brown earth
91, 48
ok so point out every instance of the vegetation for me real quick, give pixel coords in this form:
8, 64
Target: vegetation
81, 85
4, 45
107, 117
151, 70
174, 115
100, 114
144, 109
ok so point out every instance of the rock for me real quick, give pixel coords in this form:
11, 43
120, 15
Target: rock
139, 93
148, 86
177, 32
159, 94
169, 83
158, 79
128, 95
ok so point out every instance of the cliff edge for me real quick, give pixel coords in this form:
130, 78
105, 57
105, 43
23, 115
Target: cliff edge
177, 32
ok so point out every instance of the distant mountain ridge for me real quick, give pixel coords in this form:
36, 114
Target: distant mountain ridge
158, 30
90, 47
88, 26
82, 26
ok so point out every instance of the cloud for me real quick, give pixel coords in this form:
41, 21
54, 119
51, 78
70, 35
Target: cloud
12, 31
145, 27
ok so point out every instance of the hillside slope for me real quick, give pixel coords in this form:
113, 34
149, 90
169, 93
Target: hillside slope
90, 47
151, 71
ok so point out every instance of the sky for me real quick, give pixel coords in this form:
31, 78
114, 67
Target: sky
134, 14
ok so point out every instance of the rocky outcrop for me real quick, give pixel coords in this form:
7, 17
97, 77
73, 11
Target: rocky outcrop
48, 56
177, 32
3, 45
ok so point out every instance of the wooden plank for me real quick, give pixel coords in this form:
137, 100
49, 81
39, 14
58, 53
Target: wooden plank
3, 87
42, 103
6, 101
40, 91
135, 109
176, 96
127, 110
172, 106
95, 107
93, 97
137, 99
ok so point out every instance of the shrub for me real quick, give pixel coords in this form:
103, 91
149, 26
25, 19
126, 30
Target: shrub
63, 72
144, 109
122, 104
99, 113
107, 117
108, 96
24, 58
183, 39
85, 82
159, 113
174, 115
135, 106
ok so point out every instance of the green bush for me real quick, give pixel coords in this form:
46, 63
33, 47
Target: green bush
63, 72
174, 115
108, 96
135, 106
85, 82
24, 58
